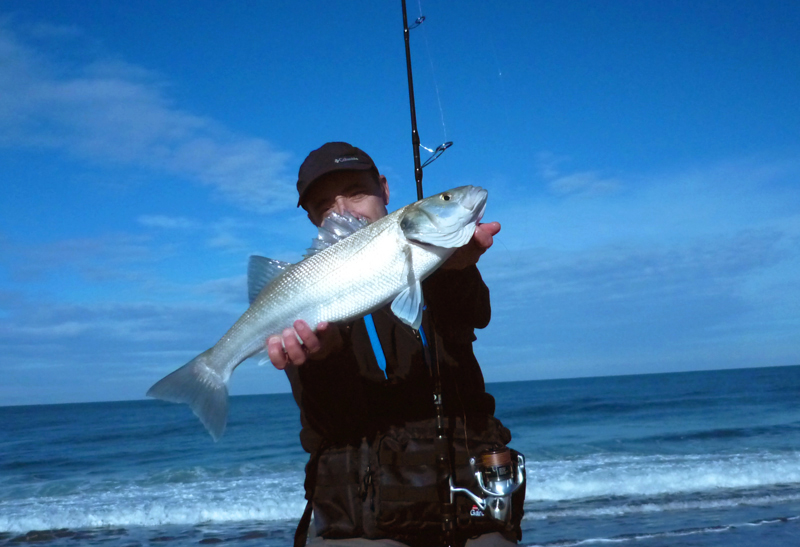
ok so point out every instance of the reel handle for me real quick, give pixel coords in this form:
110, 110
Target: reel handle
497, 495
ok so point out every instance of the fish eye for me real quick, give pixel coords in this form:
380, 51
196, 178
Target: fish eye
446, 197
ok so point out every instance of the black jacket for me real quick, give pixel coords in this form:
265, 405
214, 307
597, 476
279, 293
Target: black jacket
346, 396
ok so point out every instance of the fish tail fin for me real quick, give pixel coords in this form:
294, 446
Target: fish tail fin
197, 384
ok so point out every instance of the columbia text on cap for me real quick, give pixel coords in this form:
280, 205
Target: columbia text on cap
330, 157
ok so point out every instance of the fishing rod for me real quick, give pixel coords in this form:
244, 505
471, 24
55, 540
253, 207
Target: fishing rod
414, 134
418, 165
442, 443
497, 475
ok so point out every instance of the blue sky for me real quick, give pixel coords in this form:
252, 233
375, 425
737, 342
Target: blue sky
642, 157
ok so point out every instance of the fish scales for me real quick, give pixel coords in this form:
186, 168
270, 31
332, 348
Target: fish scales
312, 290
378, 263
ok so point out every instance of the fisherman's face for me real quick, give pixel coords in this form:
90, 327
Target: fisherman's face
361, 193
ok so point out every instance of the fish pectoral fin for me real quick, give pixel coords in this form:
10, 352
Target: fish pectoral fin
407, 306
260, 273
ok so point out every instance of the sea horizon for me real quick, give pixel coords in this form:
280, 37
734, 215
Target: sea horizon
488, 382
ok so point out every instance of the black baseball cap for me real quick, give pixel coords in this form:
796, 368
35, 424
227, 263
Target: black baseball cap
330, 157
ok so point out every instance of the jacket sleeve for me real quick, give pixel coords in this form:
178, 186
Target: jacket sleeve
461, 295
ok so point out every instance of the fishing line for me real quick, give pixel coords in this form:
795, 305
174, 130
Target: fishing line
500, 79
439, 150
433, 71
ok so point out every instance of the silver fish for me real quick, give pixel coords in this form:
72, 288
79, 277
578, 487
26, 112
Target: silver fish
380, 263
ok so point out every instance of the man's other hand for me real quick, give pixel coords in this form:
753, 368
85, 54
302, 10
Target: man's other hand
472, 251
287, 349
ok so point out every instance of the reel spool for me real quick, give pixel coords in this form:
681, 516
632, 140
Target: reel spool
498, 476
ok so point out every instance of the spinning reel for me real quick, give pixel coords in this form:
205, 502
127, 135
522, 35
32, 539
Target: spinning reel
498, 478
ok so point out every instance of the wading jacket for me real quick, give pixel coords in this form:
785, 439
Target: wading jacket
373, 472
346, 396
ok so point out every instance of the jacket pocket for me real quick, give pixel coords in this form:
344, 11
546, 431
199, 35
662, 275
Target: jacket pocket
338, 496
405, 498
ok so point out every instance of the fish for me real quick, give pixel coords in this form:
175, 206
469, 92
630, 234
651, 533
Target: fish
345, 276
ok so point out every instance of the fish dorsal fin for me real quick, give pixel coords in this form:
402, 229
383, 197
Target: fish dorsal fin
407, 306
260, 273
335, 228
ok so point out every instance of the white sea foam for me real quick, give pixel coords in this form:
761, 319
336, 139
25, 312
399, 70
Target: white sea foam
121, 505
635, 538
199, 498
617, 509
605, 475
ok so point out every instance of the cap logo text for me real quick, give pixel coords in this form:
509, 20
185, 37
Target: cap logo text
342, 160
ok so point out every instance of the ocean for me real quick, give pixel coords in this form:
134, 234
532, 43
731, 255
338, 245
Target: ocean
689, 459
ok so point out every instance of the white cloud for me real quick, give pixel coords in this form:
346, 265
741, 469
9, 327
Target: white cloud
111, 112
695, 268
549, 164
132, 344
587, 184
584, 184
168, 222
226, 241
102, 258
128, 344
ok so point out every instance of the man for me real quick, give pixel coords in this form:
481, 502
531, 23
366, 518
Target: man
363, 385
